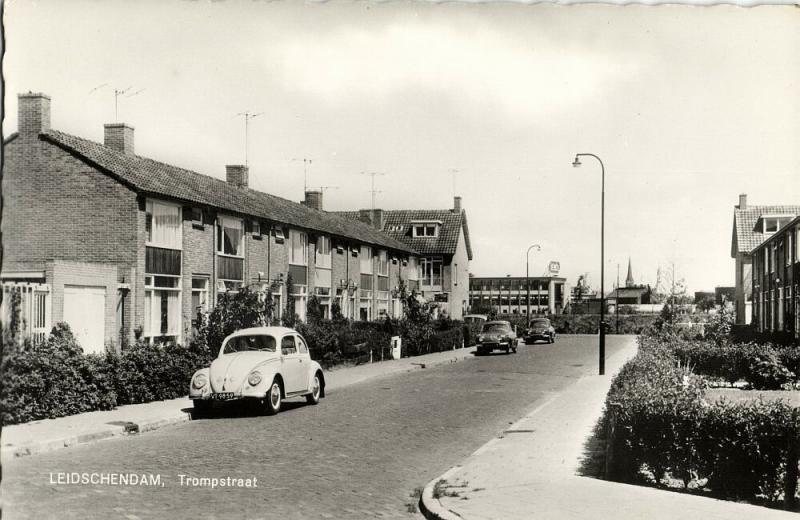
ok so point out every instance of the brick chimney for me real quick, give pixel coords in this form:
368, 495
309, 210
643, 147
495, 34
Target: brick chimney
34, 113
313, 199
742, 201
237, 174
119, 137
456, 204
373, 217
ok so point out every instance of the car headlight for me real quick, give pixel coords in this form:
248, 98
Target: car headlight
480, 338
199, 381
254, 378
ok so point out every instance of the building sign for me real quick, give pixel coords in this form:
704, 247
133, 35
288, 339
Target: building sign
440, 297
554, 267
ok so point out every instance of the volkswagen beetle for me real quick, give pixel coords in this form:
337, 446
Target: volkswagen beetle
262, 365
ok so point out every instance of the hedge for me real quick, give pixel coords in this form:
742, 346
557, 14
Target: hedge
590, 323
665, 428
54, 378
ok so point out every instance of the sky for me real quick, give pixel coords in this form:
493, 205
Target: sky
686, 106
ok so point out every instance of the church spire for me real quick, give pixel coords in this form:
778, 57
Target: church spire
629, 280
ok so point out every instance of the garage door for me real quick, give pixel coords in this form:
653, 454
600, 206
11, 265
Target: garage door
84, 311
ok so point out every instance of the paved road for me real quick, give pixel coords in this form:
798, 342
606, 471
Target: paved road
359, 454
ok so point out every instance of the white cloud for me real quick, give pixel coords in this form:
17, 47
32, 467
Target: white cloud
477, 66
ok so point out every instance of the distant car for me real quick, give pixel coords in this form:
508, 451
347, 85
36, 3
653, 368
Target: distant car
262, 365
540, 329
497, 335
479, 319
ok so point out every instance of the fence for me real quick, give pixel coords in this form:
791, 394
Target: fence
34, 308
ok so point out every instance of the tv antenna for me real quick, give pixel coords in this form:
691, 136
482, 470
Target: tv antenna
322, 189
126, 92
453, 172
247, 117
373, 190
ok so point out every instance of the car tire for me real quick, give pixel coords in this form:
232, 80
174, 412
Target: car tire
552, 340
201, 408
508, 349
514, 349
274, 398
316, 390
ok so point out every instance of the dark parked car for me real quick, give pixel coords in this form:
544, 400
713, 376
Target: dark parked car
497, 335
542, 329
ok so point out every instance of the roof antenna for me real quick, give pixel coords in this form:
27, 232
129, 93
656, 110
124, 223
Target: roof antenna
247, 117
373, 190
126, 92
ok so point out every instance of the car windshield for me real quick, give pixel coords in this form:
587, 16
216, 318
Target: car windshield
256, 342
495, 327
541, 323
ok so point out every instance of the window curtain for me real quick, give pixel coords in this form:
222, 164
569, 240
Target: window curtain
232, 236
166, 225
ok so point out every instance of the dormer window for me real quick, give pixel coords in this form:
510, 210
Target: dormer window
426, 229
773, 223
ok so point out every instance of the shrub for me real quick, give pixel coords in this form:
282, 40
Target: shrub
236, 311
718, 327
767, 373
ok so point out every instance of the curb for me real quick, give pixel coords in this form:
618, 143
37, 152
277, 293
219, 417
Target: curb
429, 506
130, 428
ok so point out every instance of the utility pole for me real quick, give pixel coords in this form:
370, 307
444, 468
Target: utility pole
247, 117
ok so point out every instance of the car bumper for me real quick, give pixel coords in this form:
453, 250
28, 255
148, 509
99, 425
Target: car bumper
495, 344
541, 335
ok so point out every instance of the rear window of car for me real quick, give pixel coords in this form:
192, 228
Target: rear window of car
254, 343
495, 327
541, 323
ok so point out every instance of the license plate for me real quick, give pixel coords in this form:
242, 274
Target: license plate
222, 396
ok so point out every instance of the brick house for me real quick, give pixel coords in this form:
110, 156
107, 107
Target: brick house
751, 226
128, 245
776, 281
441, 239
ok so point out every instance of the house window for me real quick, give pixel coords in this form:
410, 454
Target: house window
299, 247
365, 305
163, 225
300, 301
256, 228
323, 253
455, 274
366, 260
199, 294
383, 263
280, 238
431, 273
197, 217
383, 304
162, 308
773, 224
426, 229
412, 269
773, 250
230, 231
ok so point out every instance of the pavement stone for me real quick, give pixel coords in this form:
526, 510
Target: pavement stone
531, 471
20, 440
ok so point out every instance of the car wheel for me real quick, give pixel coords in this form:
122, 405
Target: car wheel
201, 408
514, 349
272, 400
316, 390
552, 339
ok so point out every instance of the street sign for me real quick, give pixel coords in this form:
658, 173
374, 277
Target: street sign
554, 267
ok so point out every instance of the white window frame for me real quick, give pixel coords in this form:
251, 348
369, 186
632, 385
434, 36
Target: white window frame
383, 263
322, 257
224, 221
429, 264
150, 292
365, 257
298, 246
203, 294
176, 241
425, 228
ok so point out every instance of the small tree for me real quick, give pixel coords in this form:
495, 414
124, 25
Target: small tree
706, 304
289, 318
313, 310
234, 311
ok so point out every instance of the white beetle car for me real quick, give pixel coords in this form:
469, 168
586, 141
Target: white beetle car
262, 364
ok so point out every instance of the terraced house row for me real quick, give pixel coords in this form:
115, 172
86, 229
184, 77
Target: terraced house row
120, 246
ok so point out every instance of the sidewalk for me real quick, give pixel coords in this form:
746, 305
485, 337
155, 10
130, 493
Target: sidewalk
530, 471
51, 434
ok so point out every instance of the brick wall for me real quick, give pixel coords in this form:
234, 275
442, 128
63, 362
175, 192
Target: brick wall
198, 260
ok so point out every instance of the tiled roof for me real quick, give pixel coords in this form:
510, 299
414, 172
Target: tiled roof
745, 236
155, 178
397, 224
777, 235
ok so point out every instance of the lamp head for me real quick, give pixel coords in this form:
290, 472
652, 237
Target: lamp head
576, 162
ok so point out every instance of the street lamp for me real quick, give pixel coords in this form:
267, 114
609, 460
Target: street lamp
576, 164
528, 279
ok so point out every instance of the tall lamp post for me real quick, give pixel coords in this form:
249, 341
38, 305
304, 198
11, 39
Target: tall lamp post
528, 278
576, 164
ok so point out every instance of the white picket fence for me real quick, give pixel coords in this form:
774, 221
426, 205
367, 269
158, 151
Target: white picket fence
34, 306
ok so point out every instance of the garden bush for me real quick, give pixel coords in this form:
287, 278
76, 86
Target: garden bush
666, 430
